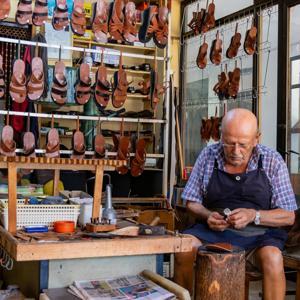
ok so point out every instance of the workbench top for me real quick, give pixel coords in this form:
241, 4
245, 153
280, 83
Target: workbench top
21, 250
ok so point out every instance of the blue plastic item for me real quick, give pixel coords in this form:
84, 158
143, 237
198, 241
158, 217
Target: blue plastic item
37, 228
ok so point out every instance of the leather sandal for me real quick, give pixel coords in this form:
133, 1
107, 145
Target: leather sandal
52, 141
78, 143
202, 55
206, 128
116, 20
120, 86
17, 86
129, 30
100, 21
197, 20
4, 9
99, 146
78, 20
161, 33
235, 44
149, 25
122, 145
24, 12
144, 87
40, 12
7, 143
60, 15
216, 50
35, 86
59, 86
250, 40
2, 82
138, 162
83, 86
215, 127
28, 141
102, 85
209, 19
234, 83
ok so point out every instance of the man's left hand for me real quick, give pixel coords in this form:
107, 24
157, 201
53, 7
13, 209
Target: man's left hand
241, 217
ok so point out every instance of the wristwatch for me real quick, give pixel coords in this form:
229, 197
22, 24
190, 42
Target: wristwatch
257, 218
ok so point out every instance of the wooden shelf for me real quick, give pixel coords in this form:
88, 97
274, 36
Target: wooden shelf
86, 248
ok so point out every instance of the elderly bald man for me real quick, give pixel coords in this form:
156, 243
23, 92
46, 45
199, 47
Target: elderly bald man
253, 181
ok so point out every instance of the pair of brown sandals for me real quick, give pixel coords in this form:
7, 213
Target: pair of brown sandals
120, 86
78, 18
25, 15
250, 40
211, 127
155, 25
235, 44
102, 85
78, 142
122, 21
4, 9
19, 88
52, 142
83, 85
2, 79
228, 84
60, 18
122, 147
60, 86
203, 20
28, 140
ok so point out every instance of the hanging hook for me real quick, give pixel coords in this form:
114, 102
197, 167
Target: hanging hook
19, 49
36, 50
138, 128
28, 122
77, 123
59, 53
52, 121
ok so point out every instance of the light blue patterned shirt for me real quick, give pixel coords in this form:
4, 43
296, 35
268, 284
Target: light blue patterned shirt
273, 164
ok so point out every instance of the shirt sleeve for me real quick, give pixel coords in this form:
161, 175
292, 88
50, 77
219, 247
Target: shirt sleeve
283, 194
192, 191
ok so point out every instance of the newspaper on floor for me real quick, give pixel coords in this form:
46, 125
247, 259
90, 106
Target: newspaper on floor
126, 287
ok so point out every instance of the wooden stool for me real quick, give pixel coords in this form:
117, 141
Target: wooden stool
220, 276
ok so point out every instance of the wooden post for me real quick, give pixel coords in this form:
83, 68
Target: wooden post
220, 276
298, 286
96, 213
12, 197
56, 182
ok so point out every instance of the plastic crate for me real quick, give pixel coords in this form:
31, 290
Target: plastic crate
36, 214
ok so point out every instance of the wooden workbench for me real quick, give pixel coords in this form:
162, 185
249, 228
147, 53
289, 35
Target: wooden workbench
32, 251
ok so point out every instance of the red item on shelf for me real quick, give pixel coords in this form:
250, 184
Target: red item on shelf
64, 226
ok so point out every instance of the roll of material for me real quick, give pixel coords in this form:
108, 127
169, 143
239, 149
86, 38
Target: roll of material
64, 226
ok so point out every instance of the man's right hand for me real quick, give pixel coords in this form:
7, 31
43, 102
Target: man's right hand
217, 222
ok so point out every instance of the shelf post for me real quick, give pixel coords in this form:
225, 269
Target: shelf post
12, 197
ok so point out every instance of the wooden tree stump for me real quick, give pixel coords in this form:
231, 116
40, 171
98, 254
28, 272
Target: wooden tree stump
220, 276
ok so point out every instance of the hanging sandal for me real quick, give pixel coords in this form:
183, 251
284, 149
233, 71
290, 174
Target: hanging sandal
206, 128
235, 44
35, 86
17, 86
24, 12
116, 20
138, 162
250, 40
121, 145
99, 143
102, 85
129, 29
78, 143
78, 20
149, 25
120, 86
7, 143
59, 87
202, 55
40, 12
4, 9
197, 21
209, 19
2, 82
60, 15
100, 21
234, 84
216, 50
52, 141
83, 86
28, 140
160, 36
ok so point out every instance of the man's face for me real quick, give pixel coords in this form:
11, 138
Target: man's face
238, 148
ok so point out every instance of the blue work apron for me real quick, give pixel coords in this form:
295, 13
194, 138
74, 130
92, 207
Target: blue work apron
246, 190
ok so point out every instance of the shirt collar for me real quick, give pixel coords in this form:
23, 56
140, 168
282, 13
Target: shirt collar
253, 162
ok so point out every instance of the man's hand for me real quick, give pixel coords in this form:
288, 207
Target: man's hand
241, 217
217, 222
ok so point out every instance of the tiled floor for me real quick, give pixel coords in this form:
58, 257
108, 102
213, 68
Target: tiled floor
255, 289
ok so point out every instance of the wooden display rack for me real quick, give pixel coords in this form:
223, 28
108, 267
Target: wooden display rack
56, 164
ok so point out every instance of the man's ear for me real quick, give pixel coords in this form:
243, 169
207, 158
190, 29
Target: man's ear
258, 137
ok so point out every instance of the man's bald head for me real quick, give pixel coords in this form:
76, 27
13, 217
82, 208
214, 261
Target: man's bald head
239, 122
